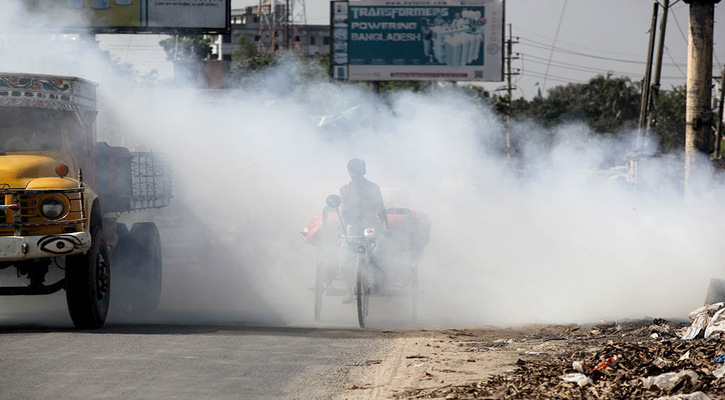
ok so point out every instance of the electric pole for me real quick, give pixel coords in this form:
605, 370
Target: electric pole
698, 117
655, 90
509, 90
718, 130
644, 102
640, 142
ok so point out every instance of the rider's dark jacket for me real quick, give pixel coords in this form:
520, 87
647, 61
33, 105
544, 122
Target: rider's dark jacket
362, 202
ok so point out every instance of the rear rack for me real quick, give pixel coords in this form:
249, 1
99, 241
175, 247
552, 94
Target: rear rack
151, 180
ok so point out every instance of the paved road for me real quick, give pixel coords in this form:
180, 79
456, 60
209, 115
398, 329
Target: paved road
180, 362
215, 337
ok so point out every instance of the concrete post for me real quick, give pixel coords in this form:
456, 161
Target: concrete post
698, 135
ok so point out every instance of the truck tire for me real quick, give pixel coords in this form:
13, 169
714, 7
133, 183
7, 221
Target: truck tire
88, 283
146, 268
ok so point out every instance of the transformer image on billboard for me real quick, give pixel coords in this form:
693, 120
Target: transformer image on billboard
455, 44
444, 40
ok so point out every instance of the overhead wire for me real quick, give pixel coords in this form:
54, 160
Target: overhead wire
556, 36
619, 57
577, 53
555, 77
574, 44
684, 74
582, 68
677, 22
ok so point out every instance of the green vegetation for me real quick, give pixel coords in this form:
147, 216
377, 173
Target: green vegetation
609, 106
193, 47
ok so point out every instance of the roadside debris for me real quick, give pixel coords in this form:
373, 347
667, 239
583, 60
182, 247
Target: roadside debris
578, 378
703, 318
691, 396
717, 324
668, 380
622, 361
661, 328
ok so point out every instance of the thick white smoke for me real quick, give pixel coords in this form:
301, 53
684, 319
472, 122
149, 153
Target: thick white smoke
553, 239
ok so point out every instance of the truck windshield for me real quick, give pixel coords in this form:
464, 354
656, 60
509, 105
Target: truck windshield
30, 129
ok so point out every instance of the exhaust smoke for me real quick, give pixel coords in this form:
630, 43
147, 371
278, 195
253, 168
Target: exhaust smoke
559, 239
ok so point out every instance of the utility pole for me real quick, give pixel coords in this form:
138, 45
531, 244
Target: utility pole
644, 102
655, 90
287, 20
718, 130
640, 142
698, 117
509, 90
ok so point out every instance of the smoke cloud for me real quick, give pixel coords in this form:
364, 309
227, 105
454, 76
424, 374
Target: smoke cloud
556, 237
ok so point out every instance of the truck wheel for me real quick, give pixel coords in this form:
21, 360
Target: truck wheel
88, 283
147, 266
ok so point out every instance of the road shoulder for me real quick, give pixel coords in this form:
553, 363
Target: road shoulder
429, 359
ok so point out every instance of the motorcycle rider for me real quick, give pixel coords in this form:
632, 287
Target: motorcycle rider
361, 208
362, 201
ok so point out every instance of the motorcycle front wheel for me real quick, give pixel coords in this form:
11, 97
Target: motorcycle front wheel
362, 291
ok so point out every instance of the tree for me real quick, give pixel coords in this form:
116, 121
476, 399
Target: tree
245, 50
605, 104
611, 105
246, 61
563, 104
671, 119
193, 47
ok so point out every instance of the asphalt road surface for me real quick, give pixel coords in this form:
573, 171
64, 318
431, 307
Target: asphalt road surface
195, 347
180, 362
213, 337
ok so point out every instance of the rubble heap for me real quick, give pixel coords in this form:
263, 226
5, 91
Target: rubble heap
634, 361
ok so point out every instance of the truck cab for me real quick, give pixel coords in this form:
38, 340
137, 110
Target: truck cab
61, 193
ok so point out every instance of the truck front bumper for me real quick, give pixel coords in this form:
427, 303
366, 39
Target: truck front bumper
17, 248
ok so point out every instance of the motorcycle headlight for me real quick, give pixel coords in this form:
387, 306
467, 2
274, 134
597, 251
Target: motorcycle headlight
52, 208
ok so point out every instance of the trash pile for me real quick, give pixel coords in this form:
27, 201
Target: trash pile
634, 360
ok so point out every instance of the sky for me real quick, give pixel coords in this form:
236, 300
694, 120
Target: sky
594, 37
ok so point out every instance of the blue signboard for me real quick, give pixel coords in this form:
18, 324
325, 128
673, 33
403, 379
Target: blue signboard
419, 40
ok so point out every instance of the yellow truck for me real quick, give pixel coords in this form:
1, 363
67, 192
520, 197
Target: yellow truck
62, 194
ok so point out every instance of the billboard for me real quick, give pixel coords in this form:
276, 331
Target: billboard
430, 40
158, 16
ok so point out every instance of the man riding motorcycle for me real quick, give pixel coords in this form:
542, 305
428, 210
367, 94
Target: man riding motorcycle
362, 208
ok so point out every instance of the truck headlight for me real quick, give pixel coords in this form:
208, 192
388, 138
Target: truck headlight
52, 208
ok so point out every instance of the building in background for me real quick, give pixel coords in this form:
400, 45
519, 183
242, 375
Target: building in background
312, 39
